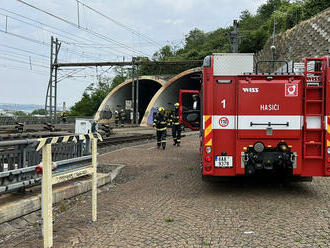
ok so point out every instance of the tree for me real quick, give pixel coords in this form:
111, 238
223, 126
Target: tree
266, 10
121, 75
20, 113
39, 112
164, 53
195, 39
312, 7
92, 98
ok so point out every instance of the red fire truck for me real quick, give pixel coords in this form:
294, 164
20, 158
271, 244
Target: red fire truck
261, 123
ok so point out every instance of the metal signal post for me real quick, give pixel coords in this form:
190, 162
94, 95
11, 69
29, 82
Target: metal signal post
51, 96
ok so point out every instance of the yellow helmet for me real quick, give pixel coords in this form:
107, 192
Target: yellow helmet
160, 109
176, 104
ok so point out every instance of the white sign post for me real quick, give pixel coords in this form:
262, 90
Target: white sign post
48, 180
47, 196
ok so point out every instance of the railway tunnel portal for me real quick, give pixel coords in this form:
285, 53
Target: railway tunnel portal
153, 93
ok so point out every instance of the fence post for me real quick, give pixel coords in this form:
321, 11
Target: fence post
94, 179
47, 196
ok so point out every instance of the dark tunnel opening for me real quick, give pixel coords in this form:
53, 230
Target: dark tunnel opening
170, 94
147, 89
121, 98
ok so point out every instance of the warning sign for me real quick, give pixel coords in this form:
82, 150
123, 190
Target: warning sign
223, 121
291, 89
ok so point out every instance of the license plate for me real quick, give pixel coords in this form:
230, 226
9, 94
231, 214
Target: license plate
223, 161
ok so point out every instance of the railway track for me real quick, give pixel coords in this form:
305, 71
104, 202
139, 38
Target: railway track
39, 131
119, 139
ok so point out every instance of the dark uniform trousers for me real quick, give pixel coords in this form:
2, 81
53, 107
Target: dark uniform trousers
176, 128
122, 118
161, 137
176, 133
117, 120
160, 124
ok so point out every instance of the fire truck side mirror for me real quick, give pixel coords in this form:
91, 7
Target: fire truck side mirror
195, 102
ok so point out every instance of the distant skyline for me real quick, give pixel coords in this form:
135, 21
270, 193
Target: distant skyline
20, 107
24, 34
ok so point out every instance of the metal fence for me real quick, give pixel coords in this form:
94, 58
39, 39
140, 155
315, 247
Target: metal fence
22, 154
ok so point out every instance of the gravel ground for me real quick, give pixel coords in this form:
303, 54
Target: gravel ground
159, 200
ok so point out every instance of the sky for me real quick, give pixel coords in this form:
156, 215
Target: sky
121, 29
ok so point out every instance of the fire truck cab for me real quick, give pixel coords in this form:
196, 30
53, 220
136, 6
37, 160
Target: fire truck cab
260, 123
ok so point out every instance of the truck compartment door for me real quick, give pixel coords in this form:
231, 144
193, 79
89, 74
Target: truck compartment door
189, 110
270, 109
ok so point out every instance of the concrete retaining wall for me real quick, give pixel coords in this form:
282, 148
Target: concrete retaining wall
11, 207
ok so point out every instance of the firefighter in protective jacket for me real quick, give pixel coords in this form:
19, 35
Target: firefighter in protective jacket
122, 117
116, 118
176, 127
160, 125
169, 119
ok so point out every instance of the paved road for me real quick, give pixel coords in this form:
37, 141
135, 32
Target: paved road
160, 201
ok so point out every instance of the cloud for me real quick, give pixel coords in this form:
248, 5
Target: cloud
162, 20
180, 5
172, 21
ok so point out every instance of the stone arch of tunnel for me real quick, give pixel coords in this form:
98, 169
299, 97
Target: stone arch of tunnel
168, 94
116, 99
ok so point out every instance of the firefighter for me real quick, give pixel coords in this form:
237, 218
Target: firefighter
160, 125
176, 127
122, 117
117, 118
63, 116
169, 119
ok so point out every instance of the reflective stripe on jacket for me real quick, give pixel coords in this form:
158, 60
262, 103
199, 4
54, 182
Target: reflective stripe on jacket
160, 122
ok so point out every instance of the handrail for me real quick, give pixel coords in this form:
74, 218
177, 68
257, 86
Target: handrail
18, 142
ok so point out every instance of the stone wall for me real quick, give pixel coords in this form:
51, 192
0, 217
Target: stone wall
310, 38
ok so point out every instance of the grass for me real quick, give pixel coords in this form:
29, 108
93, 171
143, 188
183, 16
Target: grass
298, 239
205, 243
35, 224
79, 201
63, 207
169, 219
167, 175
269, 212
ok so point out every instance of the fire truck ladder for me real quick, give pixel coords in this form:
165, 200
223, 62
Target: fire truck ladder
314, 108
